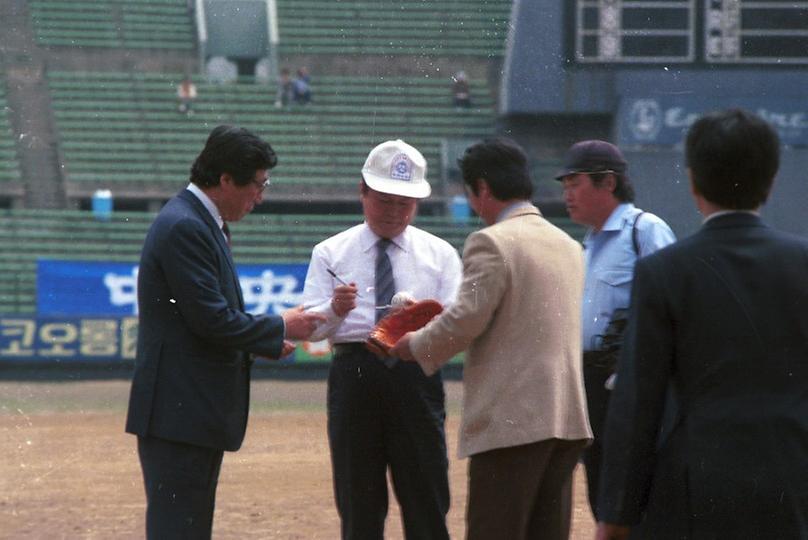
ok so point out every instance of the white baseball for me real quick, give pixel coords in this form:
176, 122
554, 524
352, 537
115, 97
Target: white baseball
402, 298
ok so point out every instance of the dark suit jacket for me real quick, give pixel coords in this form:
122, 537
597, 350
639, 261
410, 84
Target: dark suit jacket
723, 315
192, 372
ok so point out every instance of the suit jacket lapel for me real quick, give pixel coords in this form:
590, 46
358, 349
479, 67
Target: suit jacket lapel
216, 231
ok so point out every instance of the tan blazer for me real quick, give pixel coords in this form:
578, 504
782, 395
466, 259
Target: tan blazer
518, 313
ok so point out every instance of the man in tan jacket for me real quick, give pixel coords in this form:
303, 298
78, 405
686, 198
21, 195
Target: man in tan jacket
518, 315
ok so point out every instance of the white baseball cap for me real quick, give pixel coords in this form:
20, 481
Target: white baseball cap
397, 168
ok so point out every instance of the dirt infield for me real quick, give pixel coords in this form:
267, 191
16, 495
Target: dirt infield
69, 471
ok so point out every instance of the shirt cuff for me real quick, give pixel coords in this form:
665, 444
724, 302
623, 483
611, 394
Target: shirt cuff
325, 328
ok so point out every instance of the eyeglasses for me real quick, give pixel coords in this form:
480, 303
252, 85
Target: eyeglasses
262, 185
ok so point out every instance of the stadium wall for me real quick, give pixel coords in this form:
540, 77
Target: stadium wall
548, 100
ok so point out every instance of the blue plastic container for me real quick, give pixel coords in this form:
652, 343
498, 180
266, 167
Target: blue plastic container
102, 204
459, 209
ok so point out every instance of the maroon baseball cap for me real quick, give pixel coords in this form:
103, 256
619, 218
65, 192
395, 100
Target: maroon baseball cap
592, 157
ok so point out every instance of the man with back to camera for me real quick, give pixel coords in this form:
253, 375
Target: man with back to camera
384, 413
190, 390
720, 318
518, 315
599, 195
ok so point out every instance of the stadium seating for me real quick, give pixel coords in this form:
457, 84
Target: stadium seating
76, 235
9, 164
445, 27
123, 129
442, 27
145, 24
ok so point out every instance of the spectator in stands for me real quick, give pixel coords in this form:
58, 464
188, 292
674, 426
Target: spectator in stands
461, 93
190, 389
286, 91
302, 87
384, 414
186, 94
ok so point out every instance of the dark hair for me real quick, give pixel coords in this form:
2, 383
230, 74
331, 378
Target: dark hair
235, 151
623, 190
502, 164
733, 156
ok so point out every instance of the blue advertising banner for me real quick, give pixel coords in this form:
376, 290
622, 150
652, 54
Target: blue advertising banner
92, 338
67, 338
87, 310
106, 288
664, 120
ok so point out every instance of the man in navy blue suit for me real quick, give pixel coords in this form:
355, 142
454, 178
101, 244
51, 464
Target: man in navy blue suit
190, 391
720, 318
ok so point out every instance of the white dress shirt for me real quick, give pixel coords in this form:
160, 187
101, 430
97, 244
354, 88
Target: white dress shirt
424, 265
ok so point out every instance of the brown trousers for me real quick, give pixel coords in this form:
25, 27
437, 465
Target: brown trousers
522, 492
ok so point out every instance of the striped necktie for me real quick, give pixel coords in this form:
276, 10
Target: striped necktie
385, 285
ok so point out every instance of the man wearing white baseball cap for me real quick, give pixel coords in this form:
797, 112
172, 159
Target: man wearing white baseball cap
384, 413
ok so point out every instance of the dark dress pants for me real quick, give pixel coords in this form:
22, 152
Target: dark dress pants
180, 482
522, 492
597, 401
380, 417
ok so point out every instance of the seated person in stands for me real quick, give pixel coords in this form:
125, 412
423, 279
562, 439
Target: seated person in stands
302, 87
286, 90
461, 94
186, 93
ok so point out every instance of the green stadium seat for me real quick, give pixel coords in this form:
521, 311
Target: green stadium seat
110, 124
154, 24
443, 27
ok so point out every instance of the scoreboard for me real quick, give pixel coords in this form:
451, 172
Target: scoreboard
763, 31
691, 31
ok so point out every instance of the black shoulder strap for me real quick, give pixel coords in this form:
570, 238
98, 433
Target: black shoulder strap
634, 240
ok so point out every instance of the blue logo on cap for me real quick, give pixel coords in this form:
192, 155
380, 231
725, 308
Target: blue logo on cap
401, 168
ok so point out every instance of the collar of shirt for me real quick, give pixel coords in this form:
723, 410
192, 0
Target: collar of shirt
368, 239
618, 217
513, 208
615, 222
209, 205
725, 212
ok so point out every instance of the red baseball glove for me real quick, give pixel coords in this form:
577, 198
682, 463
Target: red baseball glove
394, 325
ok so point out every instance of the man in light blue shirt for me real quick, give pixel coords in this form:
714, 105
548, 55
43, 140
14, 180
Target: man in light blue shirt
598, 194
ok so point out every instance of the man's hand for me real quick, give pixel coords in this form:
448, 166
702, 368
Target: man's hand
300, 324
610, 531
344, 299
288, 348
402, 348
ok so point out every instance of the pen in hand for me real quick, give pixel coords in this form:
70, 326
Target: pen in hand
342, 281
